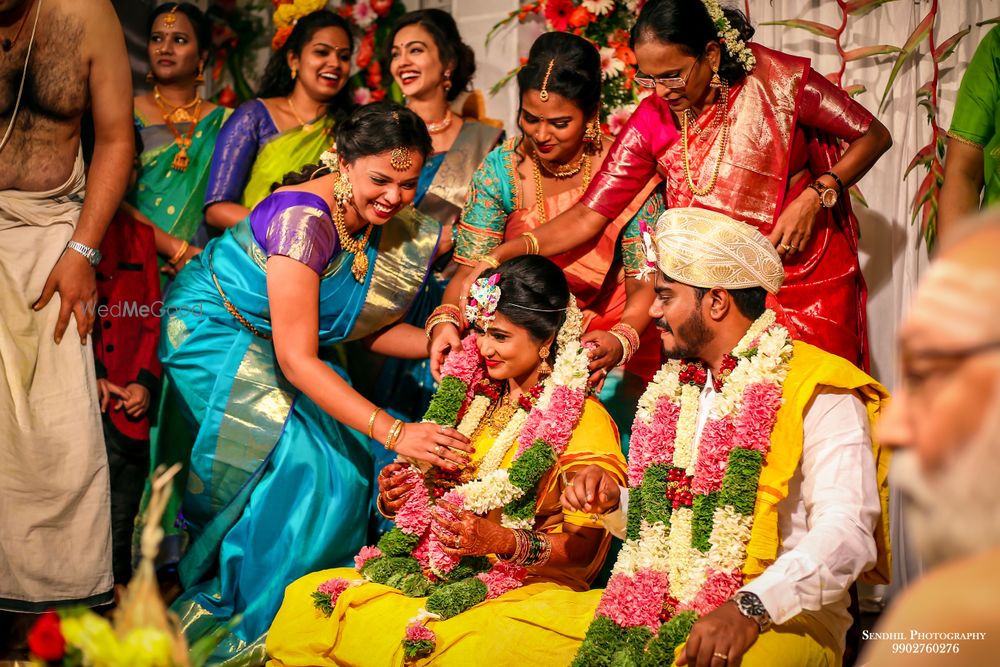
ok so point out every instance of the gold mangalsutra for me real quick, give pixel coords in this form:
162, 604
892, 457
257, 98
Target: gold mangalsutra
543, 94
355, 246
695, 190
400, 158
188, 113
540, 194
441, 125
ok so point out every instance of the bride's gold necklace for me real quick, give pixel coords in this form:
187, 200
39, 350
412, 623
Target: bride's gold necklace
353, 245
583, 163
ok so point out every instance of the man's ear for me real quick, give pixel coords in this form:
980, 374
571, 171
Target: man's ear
720, 301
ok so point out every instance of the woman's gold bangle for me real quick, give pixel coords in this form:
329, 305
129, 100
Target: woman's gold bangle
382, 510
395, 431
490, 261
180, 253
532, 242
371, 422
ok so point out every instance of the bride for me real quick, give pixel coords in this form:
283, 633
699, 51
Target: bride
484, 565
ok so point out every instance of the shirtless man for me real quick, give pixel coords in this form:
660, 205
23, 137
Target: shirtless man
54, 522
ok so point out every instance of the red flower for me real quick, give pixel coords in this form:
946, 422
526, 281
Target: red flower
280, 37
366, 50
346, 10
375, 76
381, 7
625, 54
557, 13
227, 97
45, 638
580, 17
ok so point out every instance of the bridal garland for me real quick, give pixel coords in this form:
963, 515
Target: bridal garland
409, 557
691, 503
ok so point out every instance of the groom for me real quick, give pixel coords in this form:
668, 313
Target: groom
757, 495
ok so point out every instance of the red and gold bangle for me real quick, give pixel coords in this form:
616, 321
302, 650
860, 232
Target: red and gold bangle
446, 312
628, 337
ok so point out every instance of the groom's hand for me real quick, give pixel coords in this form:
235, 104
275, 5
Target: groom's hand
592, 490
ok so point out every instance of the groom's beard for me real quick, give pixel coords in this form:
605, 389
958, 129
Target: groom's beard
955, 511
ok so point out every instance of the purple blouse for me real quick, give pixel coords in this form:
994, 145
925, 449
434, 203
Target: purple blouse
297, 225
236, 149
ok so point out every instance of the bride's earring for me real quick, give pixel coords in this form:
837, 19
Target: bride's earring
544, 368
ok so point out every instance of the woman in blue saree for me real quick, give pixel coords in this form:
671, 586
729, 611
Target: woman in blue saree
280, 471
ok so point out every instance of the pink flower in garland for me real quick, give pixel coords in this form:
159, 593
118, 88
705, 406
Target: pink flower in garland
365, 555
333, 588
631, 601
713, 455
465, 364
438, 560
718, 588
414, 516
502, 577
754, 423
555, 424
653, 443
421, 553
417, 632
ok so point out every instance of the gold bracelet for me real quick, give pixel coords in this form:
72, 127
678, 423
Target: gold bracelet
395, 431
381, 510
532, 242
440, 319
371, 422
490, 261
627, 351
180, 253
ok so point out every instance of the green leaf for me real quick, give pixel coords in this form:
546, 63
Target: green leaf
948, 46
860, 8
503, 82
924, 156
869, 51
918, 35
855, 89
815, 28
510, 17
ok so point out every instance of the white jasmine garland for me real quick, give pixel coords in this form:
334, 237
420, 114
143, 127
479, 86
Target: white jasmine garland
730, 534
736, 47
650, 551
473, 415
488, 492
687, 424
688, 566
517, 524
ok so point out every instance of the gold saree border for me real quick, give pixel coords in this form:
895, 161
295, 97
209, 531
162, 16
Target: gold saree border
445, 197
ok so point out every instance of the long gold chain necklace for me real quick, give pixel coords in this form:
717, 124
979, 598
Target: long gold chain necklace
584, 164
693, 125
186, 113
355, 246
695, 190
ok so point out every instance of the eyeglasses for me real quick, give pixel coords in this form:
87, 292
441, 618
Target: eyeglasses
670, 82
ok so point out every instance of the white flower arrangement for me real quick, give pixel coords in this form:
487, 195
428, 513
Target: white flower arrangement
650, 551
729, 36
687, 424
730, 534
688, 567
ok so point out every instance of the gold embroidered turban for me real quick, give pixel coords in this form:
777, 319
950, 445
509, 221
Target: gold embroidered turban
703, 248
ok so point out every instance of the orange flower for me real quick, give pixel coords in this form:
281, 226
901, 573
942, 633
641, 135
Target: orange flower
625, 54
280, 37
580, 17
375, 75
346, 10
366, 50
381, 7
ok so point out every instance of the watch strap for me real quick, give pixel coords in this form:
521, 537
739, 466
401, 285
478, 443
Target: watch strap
840, 183
92, 255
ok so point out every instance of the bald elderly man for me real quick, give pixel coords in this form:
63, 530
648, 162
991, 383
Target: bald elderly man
945, 420
756, 496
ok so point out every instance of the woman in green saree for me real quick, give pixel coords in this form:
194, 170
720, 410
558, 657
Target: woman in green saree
289, 124
178, 130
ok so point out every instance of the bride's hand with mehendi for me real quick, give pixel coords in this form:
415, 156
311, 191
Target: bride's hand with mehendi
394, 483
445, 337
462, 533
438, 445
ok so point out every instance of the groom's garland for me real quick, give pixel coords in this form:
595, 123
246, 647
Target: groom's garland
409, 557
691, 503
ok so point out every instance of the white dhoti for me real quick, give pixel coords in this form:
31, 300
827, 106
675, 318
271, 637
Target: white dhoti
55, 521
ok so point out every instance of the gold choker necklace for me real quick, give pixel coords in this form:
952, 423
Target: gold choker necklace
441, 125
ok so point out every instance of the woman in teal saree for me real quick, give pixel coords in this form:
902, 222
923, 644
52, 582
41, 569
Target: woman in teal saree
178, 130
280, 470
291, 122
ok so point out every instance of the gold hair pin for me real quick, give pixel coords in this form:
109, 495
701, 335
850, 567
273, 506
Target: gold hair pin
400, 158
543, 94
170, 18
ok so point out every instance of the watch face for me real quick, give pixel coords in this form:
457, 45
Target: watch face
752, 604
829, 197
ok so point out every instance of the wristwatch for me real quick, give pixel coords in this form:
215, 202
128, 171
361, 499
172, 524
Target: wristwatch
750, 606
92, 255
827, 196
